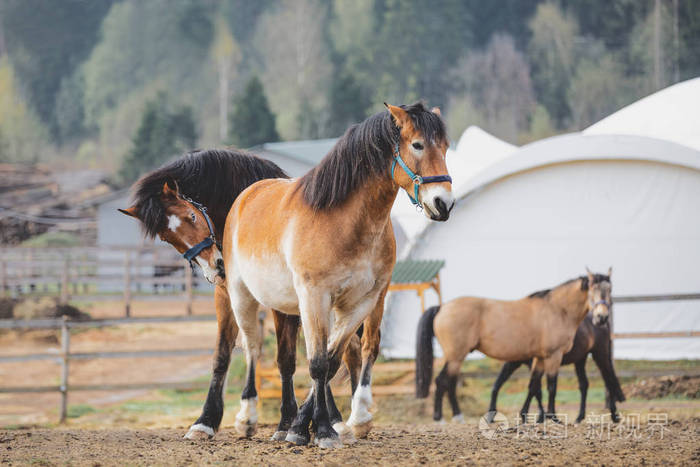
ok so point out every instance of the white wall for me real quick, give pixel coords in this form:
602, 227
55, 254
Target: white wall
536, 229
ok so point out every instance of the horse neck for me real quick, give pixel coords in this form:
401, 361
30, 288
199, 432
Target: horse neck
373, 201
570, 298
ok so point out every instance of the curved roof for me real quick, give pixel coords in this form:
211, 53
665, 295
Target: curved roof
475, 151
575, 147
672, 114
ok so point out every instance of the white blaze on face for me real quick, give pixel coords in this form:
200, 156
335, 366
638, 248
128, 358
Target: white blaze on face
174, 222
430, 193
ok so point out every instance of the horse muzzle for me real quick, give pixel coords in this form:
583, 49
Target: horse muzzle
438, 203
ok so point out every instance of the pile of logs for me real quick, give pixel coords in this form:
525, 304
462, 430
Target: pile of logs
35, 199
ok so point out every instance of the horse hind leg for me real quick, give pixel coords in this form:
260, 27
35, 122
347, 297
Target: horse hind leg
452, 378
245, 308
360, 420
208, 422
286, 327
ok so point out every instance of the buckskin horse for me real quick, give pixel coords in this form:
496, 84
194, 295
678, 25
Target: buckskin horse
589, 338
540, 327
323, 246
198, 190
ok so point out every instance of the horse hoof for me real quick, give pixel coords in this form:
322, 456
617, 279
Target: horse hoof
345, 434
361, 430
331, 442
199, 431
579, 420
279, 436
245, 428
458, 419
296, 438
440, 422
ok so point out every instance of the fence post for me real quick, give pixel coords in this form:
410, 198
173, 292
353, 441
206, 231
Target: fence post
65, 349
3, 279
127, 283
188, 288
64, 283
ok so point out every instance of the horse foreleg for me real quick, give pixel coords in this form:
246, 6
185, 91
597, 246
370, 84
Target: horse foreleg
360, 418
613, 391
287, 328
506, 371
315, 308
208, 422
582, 386
551, 369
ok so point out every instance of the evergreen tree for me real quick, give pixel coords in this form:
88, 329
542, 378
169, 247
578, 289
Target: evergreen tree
252, 121
161, 134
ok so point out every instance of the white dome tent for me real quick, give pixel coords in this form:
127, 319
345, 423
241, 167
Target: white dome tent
671, 114
537, 217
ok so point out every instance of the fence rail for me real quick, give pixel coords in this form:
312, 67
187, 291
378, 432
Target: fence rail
65, 355
98, 274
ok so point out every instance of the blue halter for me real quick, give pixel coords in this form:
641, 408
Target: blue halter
417, 179
192, 253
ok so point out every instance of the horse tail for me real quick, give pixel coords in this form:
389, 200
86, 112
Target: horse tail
424, 352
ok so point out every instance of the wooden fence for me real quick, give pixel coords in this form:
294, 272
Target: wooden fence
98, 274
65, 355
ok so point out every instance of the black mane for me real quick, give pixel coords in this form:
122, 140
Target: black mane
597, 278
362, 152
213, 178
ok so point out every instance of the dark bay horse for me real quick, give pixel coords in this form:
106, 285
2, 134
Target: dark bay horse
322, 247
185, 193
540, 327
589, 339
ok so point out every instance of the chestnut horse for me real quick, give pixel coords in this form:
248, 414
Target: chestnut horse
322, 248
589, 338
539, 327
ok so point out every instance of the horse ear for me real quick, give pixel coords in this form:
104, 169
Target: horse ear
400, 115
436, 111
167, 191
132, 211
590, 275
610, 271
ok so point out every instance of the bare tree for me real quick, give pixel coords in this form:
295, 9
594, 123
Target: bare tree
497, 80
297, 67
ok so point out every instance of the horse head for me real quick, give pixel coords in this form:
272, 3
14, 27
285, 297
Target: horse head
599, 296
420, 157
184, 224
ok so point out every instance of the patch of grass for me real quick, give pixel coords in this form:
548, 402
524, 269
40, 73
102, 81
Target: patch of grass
78, 410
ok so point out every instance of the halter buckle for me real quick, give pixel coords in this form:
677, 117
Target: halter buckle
417, 180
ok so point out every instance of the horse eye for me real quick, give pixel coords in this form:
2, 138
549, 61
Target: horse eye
418, 146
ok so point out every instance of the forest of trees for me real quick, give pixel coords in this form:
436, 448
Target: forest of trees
91, 82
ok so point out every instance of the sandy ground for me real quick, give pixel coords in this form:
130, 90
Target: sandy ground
386, 445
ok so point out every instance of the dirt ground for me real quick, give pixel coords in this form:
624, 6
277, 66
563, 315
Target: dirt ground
142, 427
386, 445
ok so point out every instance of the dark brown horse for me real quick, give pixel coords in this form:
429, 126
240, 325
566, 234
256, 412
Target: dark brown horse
201, 185
589, 339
